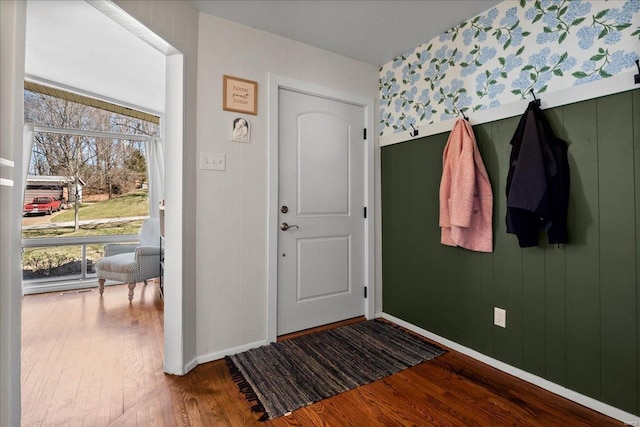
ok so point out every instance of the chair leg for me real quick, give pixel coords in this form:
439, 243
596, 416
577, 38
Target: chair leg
131, 287
101, 283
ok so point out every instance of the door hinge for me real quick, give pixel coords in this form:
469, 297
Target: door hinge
365, 211
365, 133
365, 291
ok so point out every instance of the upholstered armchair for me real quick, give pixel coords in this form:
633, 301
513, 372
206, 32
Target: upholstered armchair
132, 263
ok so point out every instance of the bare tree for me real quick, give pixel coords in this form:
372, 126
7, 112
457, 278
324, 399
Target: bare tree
105, 165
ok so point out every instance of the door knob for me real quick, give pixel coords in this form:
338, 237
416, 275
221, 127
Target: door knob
284, 226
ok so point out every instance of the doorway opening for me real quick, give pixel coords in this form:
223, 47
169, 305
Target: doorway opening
169, 108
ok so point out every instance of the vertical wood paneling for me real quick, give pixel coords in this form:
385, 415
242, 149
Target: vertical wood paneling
463, 280
428, 291
419, 230
387, 171
392, 295
617, 251
400, 241
572, 311
425, 227
554, 284
485, 316
533, 311
507, 257
535, 301
635, 110
408, 247
582, 261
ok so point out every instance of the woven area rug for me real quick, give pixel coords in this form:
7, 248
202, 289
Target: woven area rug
288, 375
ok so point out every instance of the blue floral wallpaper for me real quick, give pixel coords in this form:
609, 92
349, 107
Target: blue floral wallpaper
499, 56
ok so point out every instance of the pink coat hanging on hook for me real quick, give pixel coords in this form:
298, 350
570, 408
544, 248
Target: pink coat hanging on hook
466, 197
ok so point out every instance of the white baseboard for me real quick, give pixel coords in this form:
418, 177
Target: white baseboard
180, 372
189, 366
229, 351
583, 400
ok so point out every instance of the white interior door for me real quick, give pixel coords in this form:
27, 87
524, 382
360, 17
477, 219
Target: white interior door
321, 199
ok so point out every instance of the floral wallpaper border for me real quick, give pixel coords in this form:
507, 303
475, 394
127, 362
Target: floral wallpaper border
501, 55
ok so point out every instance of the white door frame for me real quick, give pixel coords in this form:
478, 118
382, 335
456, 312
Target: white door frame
277, 82
174, 358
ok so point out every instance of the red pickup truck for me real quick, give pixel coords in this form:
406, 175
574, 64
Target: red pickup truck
45, 205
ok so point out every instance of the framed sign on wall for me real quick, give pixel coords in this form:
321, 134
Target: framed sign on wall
239, 95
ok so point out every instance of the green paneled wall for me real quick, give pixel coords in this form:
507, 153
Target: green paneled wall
573, 311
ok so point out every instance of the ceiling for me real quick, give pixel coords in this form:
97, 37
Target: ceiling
373, 31
72, 45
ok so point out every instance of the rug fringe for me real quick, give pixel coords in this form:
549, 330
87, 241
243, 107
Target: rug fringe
246, 389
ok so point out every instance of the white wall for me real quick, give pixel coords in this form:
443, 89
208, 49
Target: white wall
13, 27
231, 220
176, 22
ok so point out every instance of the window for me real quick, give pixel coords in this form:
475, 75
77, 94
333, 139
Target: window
95, 163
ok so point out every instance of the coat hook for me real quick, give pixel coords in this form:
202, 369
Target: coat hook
537, 101
460, 112
636, 78
415, 131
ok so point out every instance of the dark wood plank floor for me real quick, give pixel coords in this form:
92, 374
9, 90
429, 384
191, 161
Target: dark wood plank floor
91, 361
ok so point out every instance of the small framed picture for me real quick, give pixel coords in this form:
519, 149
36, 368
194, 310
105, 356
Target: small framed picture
239, 95
240, 130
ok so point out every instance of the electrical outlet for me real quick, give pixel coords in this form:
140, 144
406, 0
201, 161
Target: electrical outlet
213, 161
500, 317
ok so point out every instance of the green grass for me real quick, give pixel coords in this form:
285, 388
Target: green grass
120, 227
135, 203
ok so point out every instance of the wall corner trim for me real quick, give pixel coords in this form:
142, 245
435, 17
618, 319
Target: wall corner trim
583, 400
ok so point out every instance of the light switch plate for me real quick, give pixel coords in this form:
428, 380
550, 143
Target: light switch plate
213, 161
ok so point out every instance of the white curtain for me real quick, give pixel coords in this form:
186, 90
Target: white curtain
154, 150
27, 139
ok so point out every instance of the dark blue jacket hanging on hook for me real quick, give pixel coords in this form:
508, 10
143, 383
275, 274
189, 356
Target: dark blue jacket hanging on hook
538, 181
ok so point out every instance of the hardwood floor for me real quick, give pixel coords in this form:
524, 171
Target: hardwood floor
91, 361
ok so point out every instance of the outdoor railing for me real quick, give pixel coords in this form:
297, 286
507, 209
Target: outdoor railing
48, 282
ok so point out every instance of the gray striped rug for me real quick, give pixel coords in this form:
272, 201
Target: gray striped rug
288, 375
